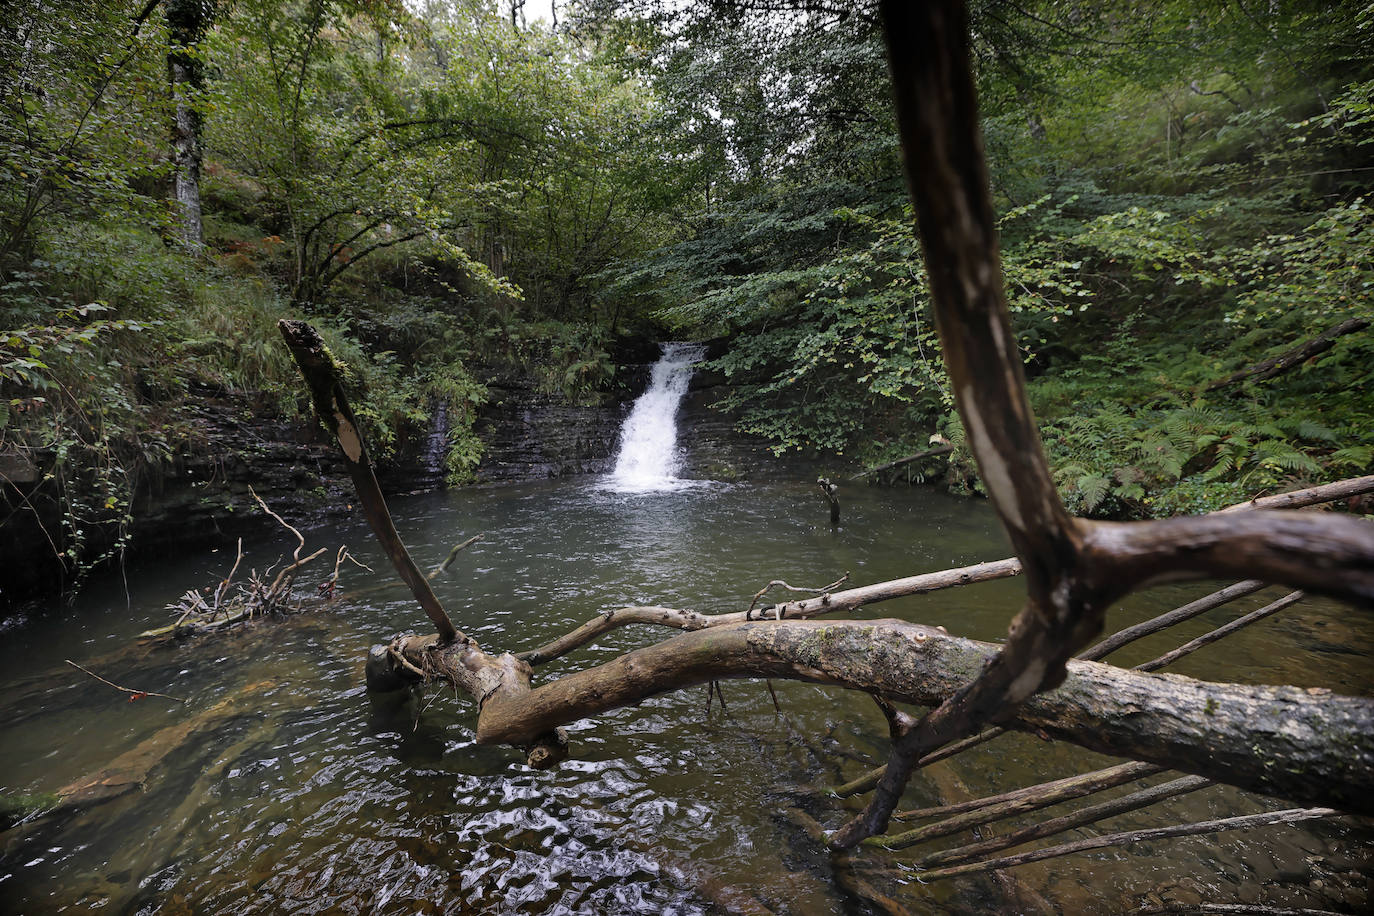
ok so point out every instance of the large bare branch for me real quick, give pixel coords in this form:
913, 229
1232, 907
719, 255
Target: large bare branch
1321, 553
1236, 734
1069, 581
937, 117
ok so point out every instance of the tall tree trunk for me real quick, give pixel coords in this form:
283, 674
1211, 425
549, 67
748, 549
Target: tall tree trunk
187, 21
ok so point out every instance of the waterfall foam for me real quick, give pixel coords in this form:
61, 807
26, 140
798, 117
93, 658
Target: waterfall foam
648, 457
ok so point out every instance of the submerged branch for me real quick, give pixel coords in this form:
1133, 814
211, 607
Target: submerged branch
1008, 804
1246, 822
1074, 819
1221, 632
1178, 615
1021, 802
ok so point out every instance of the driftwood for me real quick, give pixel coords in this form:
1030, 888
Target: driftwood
1019, 803
1299, 499
1293, 357
1231, 733
322, 378
1074, 569
1164, 621
262, 595
831, 603
1221, 632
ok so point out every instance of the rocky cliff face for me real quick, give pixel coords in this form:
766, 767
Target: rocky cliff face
202, 496
532, 436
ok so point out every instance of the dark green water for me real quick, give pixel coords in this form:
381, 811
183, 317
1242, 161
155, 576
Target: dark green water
306, 795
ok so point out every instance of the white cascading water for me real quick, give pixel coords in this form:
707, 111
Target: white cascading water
648, 458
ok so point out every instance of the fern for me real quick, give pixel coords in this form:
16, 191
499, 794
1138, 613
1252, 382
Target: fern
1092, 489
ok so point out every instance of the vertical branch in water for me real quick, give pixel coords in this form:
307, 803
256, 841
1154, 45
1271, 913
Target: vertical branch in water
321, 375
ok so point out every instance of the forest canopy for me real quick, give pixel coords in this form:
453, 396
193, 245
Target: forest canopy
452, 193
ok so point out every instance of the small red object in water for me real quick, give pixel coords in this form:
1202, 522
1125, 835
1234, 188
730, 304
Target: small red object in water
137, 696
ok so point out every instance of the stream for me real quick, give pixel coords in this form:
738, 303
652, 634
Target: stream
303, 794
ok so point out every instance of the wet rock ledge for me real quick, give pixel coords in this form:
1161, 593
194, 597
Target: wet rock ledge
201, 495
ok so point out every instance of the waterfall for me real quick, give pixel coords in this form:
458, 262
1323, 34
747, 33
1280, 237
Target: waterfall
648, 458
434, 457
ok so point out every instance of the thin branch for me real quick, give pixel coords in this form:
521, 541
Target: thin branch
133, 694
1055, 825
778, 583
1021, 802
870, 779
1178, 615
1078, 786
834, 602
300, 538
1246, 822
928, 453
1297, 499
1221, 632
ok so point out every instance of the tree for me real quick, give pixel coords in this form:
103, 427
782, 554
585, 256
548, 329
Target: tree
187, 22
76, 94
1074, 569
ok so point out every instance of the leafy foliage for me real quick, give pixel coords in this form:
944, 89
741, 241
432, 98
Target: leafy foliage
453, 198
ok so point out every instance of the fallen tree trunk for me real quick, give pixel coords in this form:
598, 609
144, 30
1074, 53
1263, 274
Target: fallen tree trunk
1303, 745
1293, 357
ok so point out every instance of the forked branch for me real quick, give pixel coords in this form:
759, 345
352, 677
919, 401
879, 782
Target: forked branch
1073, 569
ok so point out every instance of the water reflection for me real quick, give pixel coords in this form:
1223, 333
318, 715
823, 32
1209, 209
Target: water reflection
314, 797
